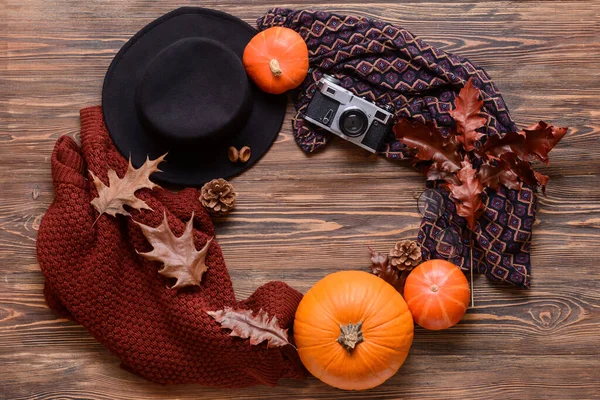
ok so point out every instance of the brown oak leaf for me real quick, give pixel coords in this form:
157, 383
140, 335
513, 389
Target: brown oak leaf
434, 174
467, 115
521, 168
121, 191
382, 268
179, 256
542, 180
429, 143
256, 327
468, 195
540, 138
493, 175
496, 146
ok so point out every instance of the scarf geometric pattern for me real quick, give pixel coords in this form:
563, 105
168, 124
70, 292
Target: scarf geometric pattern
388, 65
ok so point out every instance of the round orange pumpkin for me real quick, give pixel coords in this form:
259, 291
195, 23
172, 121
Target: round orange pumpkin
276, 59
353, 330
437, 294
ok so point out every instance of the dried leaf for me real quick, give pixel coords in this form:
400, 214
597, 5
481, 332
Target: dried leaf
121, 191
179, 256
517, 149
467, 116
521, 168
542, 180
496, 146
557, 133
540, 138
533, 142
257, 328
378, 259
468, 195
429, 143
434, 174
382, 268
493, 175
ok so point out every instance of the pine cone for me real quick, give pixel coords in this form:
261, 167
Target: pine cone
218, 196
405, 255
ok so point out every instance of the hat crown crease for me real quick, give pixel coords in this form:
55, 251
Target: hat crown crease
195, 90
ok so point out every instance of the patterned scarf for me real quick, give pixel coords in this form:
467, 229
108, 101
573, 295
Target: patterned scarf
388, 65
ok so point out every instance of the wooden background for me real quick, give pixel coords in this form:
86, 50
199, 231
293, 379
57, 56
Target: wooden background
300, 218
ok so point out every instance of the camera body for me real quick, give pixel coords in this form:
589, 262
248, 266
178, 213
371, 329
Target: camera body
350, 117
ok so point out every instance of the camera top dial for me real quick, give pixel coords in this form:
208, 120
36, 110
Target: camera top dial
331, 79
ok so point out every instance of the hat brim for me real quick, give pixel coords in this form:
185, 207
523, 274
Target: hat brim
192, 166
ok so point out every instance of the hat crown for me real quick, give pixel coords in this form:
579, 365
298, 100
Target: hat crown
195, 90
178, 86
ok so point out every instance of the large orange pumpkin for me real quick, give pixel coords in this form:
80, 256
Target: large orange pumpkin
276, 59
353, 330
437, 294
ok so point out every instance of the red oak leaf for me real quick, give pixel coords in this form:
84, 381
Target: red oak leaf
542, 180
540, 138
381, 267
493, 175
467, 116
524, 171
434, 174
496, 146
521, 168
429, 143
467, 196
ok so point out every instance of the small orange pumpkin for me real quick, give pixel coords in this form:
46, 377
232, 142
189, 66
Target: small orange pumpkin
276, 59
353, 330
437, 294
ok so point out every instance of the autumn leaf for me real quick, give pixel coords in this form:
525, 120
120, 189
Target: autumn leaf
121, 191
521, 168
533, 142
467, 196
429, 143
467, 115
179, 256
257, 328
434, 174
518, 149
511, 171
496, 146
542, 180
540, 138
557, 133
493, 175
383, 269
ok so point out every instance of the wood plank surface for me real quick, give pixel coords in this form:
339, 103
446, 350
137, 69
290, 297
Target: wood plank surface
300, 218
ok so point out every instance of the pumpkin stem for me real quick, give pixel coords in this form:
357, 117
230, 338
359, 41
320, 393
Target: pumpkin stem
434, 288
350, 336
275, 68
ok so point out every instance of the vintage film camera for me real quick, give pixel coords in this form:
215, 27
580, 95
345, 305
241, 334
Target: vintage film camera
350, 117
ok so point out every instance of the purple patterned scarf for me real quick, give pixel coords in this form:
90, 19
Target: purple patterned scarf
389, 65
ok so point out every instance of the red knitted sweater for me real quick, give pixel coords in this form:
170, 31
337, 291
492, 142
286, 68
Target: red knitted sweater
94, 276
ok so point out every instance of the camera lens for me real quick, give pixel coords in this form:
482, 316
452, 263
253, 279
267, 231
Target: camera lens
353, 122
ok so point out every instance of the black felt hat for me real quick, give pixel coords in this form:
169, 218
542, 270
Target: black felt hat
179, 86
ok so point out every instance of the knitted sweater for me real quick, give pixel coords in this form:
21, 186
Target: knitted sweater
95, 277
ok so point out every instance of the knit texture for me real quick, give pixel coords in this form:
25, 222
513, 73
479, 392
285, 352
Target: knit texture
94, 276
387, 64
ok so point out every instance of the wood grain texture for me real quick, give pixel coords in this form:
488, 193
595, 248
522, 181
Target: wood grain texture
300, 218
